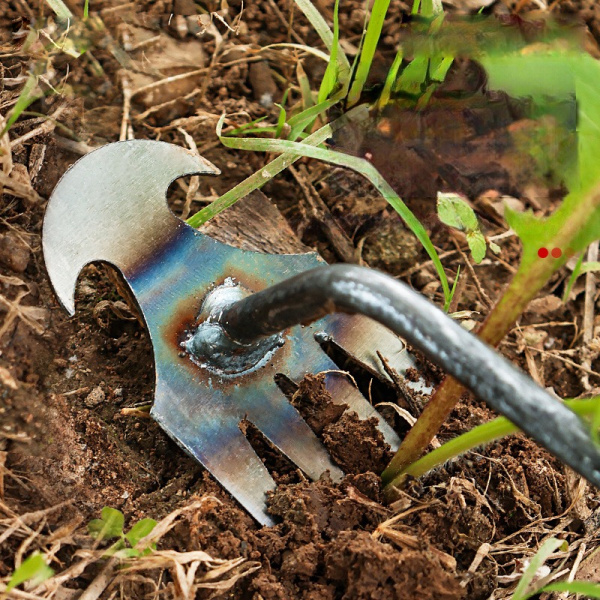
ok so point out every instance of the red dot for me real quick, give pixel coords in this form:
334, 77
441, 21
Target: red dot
556, 252
543, 252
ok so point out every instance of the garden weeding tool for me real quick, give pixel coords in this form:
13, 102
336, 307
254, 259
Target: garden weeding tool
224, 322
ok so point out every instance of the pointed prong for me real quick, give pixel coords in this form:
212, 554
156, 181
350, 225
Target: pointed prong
314, 361
282, 424
229, 458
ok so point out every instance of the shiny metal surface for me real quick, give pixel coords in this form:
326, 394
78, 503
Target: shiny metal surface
111, 206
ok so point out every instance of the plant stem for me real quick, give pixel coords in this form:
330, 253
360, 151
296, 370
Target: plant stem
527, 282
480, 435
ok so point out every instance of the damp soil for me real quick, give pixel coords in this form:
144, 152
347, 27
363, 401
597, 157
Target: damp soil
75, 432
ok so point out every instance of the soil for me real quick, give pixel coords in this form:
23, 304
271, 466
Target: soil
75, 435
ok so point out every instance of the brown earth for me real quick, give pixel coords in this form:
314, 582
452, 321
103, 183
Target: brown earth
74, 429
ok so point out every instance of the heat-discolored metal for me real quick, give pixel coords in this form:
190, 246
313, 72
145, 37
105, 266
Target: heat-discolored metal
111, 206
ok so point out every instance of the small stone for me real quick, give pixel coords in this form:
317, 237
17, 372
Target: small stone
95, 397
14, 252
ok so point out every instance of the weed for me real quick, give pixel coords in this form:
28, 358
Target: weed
456, 213
575, 225
110, 526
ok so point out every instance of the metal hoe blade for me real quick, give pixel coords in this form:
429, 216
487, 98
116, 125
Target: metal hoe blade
111, 206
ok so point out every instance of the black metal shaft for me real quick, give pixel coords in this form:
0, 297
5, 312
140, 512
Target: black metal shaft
357, 290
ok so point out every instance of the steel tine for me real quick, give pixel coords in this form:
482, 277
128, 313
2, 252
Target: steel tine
284, 427
314, 360
362, 339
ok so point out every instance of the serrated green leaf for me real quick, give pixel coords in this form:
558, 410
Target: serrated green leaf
477, 245
140, 530
455, 212
33, 568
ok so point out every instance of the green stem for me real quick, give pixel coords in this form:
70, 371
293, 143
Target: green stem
480, 435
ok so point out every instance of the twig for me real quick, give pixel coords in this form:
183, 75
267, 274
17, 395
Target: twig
427, 263
47, 126
588, 312
194, 181
482, 293
284, 22
101, 581
126, 129
341, 243
72, 146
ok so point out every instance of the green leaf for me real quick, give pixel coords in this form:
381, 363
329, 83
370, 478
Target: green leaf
494, 247
140, 530
33, 568
455, 212
586, 588
540, 557
109, 526
477, 245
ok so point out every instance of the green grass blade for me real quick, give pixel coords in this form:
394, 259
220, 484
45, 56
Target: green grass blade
258, 179
452, 291
26, 97
305, 89
86, 10
360, 165
331, 77
61, 9
281, 118
299, 122
322, 29
481, 435
390, 80
574, 275
588, 589
539, 558
378, 12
